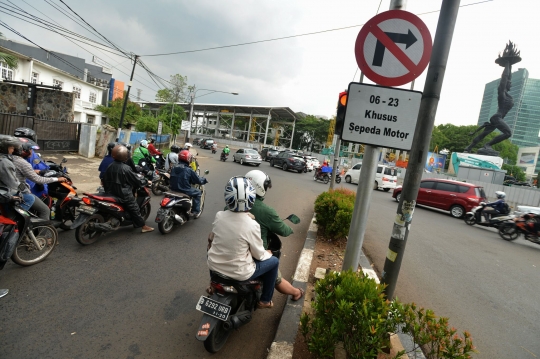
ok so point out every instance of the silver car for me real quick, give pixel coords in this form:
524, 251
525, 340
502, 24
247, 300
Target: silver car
247, 155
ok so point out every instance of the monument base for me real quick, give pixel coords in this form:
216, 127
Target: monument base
487, 152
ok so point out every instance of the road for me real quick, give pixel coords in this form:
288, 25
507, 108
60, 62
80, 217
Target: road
133, 295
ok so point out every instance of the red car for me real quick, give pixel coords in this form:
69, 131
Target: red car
454, 196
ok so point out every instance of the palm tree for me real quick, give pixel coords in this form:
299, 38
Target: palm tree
10, 60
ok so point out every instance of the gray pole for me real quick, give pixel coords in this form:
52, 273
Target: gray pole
126, 100
364, 191
191, 113
421, 139
336, 159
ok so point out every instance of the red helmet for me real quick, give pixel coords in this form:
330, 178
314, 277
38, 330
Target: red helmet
185, 156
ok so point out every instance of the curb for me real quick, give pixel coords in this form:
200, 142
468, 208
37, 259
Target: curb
283, 345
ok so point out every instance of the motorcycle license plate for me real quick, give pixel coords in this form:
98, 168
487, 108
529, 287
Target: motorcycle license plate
87, 209
213, 308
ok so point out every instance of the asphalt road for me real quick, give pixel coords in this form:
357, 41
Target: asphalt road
133, 295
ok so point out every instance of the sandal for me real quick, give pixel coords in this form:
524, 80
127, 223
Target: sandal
262, 305
301, 295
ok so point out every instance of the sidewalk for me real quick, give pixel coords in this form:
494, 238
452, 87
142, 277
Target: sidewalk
82, 171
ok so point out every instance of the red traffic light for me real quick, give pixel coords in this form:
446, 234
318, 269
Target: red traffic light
343, 98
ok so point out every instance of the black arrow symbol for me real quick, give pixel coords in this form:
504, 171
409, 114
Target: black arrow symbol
407, 39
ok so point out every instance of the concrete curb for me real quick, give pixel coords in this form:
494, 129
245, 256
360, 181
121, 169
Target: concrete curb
283, 345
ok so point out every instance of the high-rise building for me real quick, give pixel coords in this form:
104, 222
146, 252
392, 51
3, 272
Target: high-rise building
524, 117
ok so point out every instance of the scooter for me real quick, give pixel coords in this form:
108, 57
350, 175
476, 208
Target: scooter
160, 161
475, 217
214, 148
325, 177
24, 237
230, 303
525, 225
101, 213
223, 156
161, 182
175, 208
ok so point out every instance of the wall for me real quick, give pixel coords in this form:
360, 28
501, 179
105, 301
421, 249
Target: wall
54, 105
13, 99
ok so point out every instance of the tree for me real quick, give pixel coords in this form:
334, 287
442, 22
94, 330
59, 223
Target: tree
114, 111
10, 60
308, 130
514, 171
176, 92
172, 116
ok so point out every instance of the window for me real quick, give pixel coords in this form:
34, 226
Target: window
240, 151
7, 72
35, 78
357, 166
93, 97
427, 184
379, 169
90, 119
253, 152
77, 91
463, 189
448, 187
389, 172
58, 83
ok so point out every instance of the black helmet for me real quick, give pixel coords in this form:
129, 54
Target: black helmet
26, 133
24, 150
175, 148
151, 140
9, 141
126, 145
110, 147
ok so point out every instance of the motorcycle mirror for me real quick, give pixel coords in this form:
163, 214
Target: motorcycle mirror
294, 218
206, 172
64, 160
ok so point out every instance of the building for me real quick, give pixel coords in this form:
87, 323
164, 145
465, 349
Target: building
524, 117
116, 90
87, 82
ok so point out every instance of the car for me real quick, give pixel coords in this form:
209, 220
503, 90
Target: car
287, 160
197, 141
207, 143
247, 155
311, 163
268, 152
521, 210
448, 195
385, 177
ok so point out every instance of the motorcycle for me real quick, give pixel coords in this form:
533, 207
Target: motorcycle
325, 177
24, 237
101, 213
160, 161
524, 225
161, 183
475, 217
231, 303
224, 156
214, 148
175, 208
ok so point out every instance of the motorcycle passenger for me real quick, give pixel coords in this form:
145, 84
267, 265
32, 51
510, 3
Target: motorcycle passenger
237, 249
8, 170
497, 207
155, 152
193, 163
172, 157
119, 180
320, 169
106, 161
270, 221
141, 154
183, 176
38, 165
26, 172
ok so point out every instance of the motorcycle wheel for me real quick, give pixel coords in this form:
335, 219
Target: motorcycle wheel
155, 187
84, 234
508, 232
469, 219
326, 179
166, 226
68, 216
338, 179
217, 338
26, 253
145, 211
315, 177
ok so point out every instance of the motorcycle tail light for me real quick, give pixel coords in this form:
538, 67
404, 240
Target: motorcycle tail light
165, 201
223, 288
87, 200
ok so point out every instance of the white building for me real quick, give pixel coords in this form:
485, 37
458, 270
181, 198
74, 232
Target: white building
89, 91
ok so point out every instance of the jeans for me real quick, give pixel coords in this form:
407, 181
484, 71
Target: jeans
266, 271
41, 209
28, 201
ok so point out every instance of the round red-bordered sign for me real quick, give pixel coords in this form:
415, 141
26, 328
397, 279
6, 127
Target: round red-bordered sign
381, 59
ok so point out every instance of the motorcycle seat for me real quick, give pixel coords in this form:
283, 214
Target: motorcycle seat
177, 194
223, 279
105, 197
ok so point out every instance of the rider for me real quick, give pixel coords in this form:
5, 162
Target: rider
497, 207
141, 154
119, 180
106, 161
236, 248
193, 163
225, 151
172, 157
155, 152
26, 172
322, 168
182, 177
270, 221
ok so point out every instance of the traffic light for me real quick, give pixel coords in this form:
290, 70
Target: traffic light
340, 115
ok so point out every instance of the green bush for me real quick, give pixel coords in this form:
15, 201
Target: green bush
350, 308
334, 211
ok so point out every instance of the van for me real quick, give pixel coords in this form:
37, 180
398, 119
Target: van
385, 178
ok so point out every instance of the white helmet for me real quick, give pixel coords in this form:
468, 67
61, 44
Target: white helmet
188, 145
500, 194
260, 180
239, 194
144, 143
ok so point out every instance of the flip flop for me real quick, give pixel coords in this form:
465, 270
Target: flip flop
147, 230
262, 305
301, 295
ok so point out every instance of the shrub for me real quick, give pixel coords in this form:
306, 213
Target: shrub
350, 308
334, 211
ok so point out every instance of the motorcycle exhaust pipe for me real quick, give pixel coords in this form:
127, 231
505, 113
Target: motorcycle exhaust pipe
179, 219
237, 320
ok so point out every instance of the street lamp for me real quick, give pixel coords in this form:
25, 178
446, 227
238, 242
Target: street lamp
193, 92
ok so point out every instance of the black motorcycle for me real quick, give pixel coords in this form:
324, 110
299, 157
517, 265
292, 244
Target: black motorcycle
101, 213
231, 303
223, 156
160, 161
175, 208
24, 238
325, 177
161, 182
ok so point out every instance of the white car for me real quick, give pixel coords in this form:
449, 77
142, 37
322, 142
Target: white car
521, 210
385, 177
311, 163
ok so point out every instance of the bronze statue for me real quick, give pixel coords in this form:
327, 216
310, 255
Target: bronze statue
509, 57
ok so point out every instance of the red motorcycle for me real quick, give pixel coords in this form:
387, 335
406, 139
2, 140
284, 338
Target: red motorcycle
527, 225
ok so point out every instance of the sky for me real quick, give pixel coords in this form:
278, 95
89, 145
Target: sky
305, 73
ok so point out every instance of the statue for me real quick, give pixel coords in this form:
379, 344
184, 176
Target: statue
509, 57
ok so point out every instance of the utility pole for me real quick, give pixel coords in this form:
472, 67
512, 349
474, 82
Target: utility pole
191, 113
421, 139
126, 100
365, 189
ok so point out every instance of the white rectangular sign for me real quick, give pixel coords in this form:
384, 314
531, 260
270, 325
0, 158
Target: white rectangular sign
185, 126
381, 116
159, 127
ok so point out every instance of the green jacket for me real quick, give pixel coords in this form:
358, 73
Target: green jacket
141, 153
269, 221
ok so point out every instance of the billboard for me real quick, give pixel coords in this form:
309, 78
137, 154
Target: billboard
435, 162
528, 158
